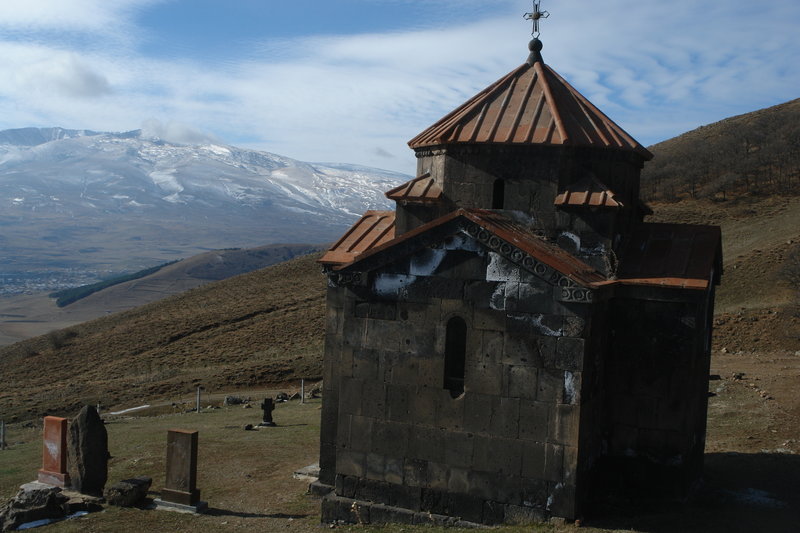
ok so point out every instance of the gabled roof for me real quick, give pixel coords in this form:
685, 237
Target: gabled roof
674, 256
531, 105
490, 228
588, 192
423, 189
671, 255
373, 229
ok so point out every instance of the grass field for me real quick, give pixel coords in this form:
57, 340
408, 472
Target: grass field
246, 476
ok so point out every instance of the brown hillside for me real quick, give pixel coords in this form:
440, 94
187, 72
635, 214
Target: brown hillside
266, 327
258, 328
26, 316
190, 273
756, 153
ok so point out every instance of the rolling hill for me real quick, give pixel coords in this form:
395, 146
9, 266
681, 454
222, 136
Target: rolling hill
755, 154
26, 316
266, 327
261, 327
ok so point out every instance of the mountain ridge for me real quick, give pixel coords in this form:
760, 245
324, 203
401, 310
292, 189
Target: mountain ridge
96, 203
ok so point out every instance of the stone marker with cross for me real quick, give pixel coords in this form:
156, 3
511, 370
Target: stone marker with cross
267, 406
181, 492
54, 452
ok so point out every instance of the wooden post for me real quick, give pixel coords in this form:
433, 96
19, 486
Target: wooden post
2, 434
302, 391
198, 398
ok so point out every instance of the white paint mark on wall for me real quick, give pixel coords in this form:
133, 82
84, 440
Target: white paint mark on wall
558, 487
426, 263
597, 250
570, 389
500, 269
498, 299
574, 238
464, 242
536, 321
392, 284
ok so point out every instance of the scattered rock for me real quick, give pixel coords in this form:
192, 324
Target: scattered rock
233, 400
282, 397
247, 406
724, 350
34, 501
248, 427
88, 452
128, 492
83, 502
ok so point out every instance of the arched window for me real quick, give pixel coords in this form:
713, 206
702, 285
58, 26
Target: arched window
498, 194
455, 354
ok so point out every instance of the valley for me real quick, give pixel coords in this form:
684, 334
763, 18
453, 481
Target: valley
23, 316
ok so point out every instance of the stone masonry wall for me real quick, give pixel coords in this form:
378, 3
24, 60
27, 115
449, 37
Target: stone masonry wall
657, 391
509, 445
534, 176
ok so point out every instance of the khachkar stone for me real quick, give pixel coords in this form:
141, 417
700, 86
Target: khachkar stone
54, 453
267, 406
181, 484
88, 452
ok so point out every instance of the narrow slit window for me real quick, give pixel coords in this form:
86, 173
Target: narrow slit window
498, 194
455, 354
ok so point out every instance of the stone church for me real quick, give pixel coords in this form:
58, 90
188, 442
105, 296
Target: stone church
514, 339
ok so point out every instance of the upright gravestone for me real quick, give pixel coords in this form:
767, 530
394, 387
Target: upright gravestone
181, 484
54, 453
88, 452
267, 406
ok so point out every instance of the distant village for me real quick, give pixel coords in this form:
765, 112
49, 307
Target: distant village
12, 283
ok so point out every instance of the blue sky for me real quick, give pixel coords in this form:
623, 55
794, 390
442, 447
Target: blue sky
354, 80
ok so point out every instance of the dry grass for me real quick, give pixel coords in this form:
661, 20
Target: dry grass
266, 327
259, 328
246, 476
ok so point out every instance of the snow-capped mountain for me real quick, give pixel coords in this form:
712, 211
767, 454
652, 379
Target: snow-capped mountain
80, 197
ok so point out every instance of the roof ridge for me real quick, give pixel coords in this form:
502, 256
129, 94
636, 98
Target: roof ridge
437, 130
612, 125
532, 104
551, 102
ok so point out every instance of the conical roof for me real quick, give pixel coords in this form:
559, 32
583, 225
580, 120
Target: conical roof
531, 105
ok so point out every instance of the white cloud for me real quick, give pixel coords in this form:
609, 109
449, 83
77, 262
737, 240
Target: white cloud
657, 69
64, 74
92, 16
176, 132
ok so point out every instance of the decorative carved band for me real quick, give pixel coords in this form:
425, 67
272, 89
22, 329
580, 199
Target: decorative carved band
526, 261
567, 289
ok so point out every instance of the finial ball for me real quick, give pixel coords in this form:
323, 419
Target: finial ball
535, 45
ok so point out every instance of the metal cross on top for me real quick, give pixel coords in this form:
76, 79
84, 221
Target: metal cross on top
535, 16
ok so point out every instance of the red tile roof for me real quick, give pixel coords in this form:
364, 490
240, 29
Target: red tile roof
422, 189
588, 193
671, 255
531, 105
340, 255
373, 229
